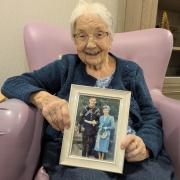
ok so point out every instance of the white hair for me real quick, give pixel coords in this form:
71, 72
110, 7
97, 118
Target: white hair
106, 107
94, 8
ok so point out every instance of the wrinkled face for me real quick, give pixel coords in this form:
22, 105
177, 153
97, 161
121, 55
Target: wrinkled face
92, 102
92, 39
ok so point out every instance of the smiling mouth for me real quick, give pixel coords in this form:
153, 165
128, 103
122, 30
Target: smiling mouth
92, 53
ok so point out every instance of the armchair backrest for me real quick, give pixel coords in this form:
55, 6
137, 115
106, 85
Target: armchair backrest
150, 48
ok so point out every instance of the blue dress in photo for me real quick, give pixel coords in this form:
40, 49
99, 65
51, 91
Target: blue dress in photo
106, 125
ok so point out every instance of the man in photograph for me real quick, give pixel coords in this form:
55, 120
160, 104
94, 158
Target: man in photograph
89, 120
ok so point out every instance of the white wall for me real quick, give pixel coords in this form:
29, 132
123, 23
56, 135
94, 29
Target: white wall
14, 14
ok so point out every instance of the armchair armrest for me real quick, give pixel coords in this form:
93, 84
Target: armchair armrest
170, 112
20, 139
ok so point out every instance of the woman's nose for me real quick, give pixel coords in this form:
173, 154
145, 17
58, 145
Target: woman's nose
91, 42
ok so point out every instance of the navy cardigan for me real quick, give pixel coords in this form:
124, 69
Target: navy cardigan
58, 76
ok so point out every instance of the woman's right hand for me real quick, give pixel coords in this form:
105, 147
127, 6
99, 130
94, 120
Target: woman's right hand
54, 109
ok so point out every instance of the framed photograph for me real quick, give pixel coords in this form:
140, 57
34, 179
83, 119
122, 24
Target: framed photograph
99, 121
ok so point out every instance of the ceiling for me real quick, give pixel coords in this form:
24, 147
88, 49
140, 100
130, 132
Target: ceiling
173, 5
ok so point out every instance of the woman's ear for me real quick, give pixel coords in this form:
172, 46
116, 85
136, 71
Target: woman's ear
110, 41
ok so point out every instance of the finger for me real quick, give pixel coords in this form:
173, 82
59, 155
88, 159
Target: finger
50, 116
60, 120
138, 154
133, 153
65, 115
133, 158
56, 115
131, 147
128, 139
55, 121
49, 119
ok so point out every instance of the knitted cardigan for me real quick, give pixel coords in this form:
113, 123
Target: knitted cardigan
57, 77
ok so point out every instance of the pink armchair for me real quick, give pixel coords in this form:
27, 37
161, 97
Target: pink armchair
21, 125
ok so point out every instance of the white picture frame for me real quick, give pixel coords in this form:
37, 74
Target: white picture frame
73, 139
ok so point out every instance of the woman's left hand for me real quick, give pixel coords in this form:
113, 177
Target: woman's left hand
135, 149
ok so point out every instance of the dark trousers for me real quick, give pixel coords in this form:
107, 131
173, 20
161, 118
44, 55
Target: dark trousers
146, 170
149, 169
88, 143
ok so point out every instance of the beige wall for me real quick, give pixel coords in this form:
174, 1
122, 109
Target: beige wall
16, 13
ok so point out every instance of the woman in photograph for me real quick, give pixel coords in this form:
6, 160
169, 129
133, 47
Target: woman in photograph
106, 125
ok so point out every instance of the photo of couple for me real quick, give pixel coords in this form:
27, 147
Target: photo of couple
95, 128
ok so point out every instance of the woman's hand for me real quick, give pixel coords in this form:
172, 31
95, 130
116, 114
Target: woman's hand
54, 109
135, 149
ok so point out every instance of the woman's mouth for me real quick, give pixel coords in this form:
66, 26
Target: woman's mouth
92, 53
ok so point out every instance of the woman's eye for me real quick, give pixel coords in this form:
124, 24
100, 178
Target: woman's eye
100, 34
82, 35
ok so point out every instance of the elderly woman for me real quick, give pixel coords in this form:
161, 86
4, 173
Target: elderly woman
48, 89
106, 125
